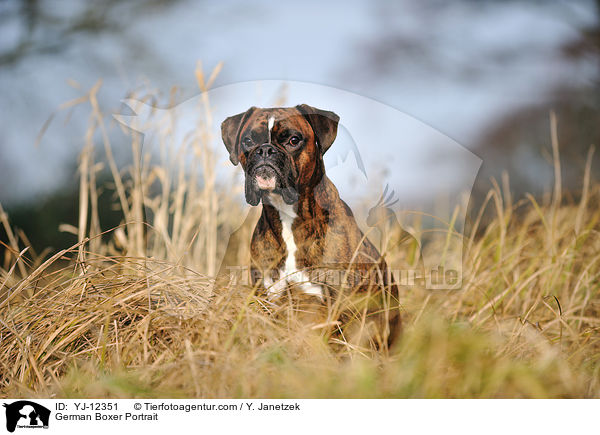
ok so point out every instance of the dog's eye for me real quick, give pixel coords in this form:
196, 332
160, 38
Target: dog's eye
247, 142
294, 140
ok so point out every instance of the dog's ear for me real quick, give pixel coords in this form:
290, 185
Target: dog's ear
230, 132
323, 123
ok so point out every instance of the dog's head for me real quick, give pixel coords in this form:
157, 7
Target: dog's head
280, 149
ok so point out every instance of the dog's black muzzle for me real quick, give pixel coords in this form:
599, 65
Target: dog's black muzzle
268, 161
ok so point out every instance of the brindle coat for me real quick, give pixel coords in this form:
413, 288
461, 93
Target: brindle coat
324, 229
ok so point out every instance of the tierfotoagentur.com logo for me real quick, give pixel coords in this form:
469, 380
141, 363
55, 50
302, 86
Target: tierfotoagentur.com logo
25, 414
407, 184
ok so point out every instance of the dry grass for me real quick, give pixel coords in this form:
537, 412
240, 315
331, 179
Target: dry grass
137, 317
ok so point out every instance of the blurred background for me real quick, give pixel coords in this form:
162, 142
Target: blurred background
485, 73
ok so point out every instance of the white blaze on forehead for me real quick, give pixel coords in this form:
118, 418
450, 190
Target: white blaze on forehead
270, 125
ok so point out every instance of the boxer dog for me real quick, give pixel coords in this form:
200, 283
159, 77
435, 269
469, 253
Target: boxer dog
304, 225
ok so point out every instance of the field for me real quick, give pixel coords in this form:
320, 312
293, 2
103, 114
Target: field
131, 311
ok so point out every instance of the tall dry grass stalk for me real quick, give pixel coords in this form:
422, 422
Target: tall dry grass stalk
134, 313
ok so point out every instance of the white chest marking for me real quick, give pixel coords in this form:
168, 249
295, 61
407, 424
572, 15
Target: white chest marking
289, 273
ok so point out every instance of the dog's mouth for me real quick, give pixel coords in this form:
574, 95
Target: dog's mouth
265, 178
268, 183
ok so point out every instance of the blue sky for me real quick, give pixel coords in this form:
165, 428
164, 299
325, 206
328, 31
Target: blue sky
456, 69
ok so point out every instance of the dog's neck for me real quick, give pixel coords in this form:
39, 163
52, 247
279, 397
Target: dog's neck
286, 211
309, 206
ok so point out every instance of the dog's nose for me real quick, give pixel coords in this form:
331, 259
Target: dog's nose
266, 150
